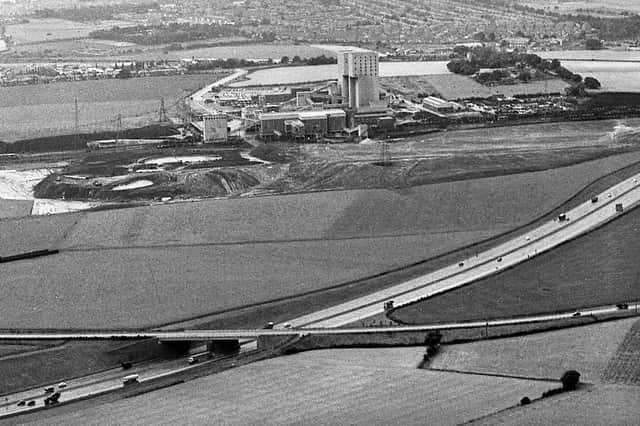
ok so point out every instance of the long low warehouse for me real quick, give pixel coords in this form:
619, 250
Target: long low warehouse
302, 123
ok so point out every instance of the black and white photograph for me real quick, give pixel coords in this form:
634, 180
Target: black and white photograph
320, 212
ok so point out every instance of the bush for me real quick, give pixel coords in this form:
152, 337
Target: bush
570, 380
591, 83
525, 401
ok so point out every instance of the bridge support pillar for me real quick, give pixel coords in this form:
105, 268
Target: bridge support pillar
224, 347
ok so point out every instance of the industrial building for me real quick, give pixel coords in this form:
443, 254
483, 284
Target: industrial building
358, 71
215, 128
302, 123
440, 106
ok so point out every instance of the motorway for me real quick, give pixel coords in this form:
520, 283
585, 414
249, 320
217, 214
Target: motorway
103, 382
581, 219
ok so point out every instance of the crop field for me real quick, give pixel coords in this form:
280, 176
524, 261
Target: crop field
39, 30
624, 367
15, 208
322, 387
138, 101
185, 258
141, 287
598, 405
596, 269
33, 233
588, 349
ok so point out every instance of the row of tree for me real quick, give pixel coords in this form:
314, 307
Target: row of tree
165, 34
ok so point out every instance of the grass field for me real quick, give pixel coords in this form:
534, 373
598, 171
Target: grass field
595, 406
39, 30
595, 269
320, 387
185, 258
588, 349
455, 86
15, 208
138, 101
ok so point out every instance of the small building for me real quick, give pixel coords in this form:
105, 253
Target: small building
440, 106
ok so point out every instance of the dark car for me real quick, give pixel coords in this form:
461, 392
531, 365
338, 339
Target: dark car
21, 403
622, 306
31, 403
126, 365
576, 314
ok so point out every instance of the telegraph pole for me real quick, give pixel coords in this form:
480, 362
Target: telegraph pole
76, 121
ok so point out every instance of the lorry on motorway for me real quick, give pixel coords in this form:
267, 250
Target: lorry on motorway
202, 356
53, 399
130, 379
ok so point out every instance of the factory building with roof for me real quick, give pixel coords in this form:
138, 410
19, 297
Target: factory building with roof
302, 123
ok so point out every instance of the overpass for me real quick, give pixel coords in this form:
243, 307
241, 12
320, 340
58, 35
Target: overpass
573, 223
246, 334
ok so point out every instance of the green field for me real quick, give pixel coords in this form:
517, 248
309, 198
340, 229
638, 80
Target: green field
42, 30
360, 386
456, 86
99, 102
198, 258
596, 269
589, 349
595, 406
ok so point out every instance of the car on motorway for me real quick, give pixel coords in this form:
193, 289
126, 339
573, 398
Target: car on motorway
576, 314
594, 199
268, 325
62, 385
49, 389
21, 403
126, 365
196, 358
622, 306
130, 379
31, 403
286, 325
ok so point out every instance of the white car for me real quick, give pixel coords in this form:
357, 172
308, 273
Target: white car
62, 385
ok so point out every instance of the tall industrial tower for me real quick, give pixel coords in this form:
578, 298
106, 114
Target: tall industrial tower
358, 71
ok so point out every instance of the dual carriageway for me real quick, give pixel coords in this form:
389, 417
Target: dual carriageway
339, 319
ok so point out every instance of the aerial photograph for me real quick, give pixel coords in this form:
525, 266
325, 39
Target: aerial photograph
320, 212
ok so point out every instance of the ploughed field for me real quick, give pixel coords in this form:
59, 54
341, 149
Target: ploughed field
353, 386
596, 269
152, 265
594, 350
